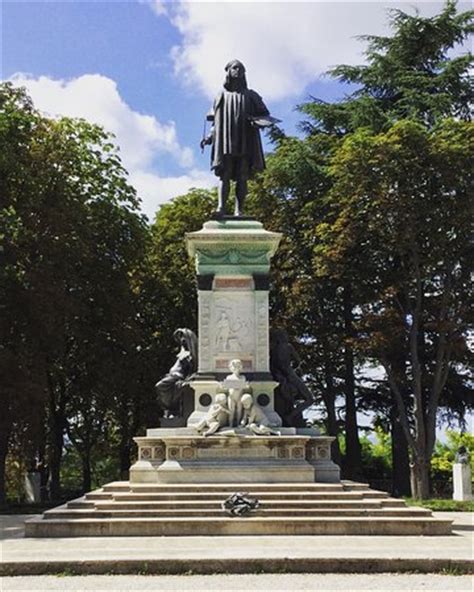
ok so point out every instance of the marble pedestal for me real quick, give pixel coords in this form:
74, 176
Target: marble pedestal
462, 482
182, 456
232, 257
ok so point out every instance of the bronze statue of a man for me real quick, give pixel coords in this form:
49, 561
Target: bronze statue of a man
237, 115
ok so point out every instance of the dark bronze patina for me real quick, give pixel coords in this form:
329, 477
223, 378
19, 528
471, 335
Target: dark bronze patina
237, 116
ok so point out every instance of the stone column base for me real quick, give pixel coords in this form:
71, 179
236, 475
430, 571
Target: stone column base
165, 457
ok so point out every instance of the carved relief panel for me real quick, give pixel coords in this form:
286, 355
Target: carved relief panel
232, 328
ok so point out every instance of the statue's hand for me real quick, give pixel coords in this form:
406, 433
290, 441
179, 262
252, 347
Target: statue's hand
205, 142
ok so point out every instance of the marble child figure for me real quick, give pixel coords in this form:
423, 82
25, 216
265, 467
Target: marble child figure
255, 419
236, 383
217, 417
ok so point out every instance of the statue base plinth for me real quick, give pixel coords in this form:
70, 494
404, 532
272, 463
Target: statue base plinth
233, 456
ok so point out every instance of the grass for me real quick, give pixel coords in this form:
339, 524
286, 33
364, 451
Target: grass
442, 505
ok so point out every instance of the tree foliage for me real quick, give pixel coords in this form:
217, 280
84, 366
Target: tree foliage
411, 74
372, 202
71, 240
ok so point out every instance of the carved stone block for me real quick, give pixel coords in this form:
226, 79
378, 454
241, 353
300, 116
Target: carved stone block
173, 452
158, 452
145, 453
297, 452
187, 453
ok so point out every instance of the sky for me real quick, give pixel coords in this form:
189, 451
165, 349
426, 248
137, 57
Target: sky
147, 70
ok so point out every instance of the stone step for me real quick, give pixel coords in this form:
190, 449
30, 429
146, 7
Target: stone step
220, 495
211, 504
225, 526
210, 512
98, 495
78, 504
124, 486
231, 488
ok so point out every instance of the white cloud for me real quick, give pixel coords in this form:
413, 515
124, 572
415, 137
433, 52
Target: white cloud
152, 188
159, 6
97, 99
141, 137
284, 45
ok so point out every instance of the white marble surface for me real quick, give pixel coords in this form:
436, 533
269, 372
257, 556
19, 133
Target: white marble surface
462, 482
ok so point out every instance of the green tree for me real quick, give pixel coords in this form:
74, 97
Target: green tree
71, 237
445, 453
402, 197
22, 384
288, 197
408, 74
173, 302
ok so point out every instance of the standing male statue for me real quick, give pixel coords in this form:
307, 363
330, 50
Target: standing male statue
237, 115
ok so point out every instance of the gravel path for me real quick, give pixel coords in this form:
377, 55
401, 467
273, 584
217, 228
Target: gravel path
224, 583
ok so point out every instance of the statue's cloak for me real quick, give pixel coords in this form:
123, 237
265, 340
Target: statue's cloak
233, 133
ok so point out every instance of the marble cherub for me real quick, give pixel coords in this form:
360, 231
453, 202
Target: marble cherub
217, 416
255, 419
237, 384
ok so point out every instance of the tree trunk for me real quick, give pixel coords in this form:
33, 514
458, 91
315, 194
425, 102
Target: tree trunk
43, 466
420, 477
124, 454
4, 440
55, 455
57, 424
353, 464
329, 398
400, 452
124, 442
400, 457
86, 472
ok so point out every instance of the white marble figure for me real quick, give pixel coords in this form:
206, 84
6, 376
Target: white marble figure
255, 419
236, 383
462, 481
217, 416
223, 332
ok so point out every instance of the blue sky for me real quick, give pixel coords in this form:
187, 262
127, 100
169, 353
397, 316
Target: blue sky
147, 70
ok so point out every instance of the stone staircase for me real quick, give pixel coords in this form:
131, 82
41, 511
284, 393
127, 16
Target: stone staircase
346, 508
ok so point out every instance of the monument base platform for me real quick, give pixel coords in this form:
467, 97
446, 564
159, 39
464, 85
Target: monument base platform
233, 456
126, 509
180, 481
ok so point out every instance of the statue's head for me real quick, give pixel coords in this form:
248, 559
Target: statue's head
221, 399
235, 75
235, 366
247, 401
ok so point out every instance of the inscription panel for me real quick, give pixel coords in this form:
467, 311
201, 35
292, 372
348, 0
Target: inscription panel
234, 453
225, 283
